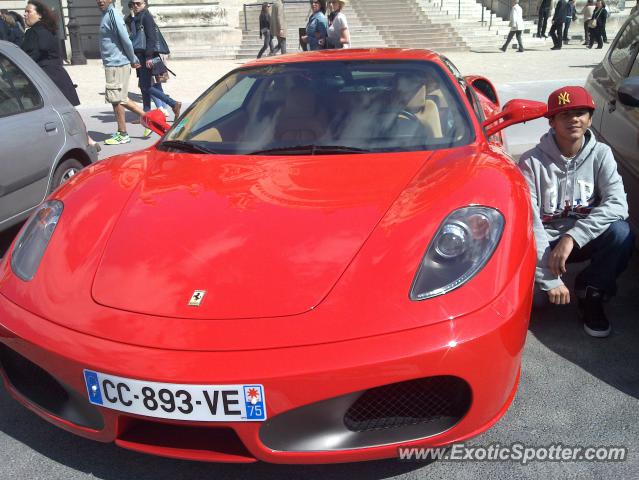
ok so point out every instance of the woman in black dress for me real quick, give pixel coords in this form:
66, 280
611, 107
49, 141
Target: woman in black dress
42, 45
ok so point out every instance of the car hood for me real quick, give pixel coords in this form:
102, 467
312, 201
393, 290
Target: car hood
256, 236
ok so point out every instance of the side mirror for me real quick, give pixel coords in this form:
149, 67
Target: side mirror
156, 121
515, 111
628, 92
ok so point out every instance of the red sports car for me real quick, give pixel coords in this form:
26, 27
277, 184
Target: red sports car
328, 256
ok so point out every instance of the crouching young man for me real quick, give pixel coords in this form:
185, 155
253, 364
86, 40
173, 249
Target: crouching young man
579, 208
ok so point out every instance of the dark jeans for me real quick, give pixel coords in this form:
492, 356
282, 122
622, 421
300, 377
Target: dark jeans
542, 23
595, 36
147, 89
281, 45
511, 34
268, 42
609, 255
566, 27
556, 33
586, 32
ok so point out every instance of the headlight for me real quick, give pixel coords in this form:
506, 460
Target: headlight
34, 239
463, 244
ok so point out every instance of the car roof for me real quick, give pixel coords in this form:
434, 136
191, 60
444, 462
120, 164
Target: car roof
367, 54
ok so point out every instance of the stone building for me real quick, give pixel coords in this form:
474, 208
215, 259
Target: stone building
191, 27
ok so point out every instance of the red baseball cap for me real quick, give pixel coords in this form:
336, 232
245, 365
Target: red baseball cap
569, 98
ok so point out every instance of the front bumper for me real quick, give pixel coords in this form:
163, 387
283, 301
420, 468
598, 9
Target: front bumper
481, 350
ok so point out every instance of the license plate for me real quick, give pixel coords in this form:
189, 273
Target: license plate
199, 403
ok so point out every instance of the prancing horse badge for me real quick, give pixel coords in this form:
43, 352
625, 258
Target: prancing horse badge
196, 298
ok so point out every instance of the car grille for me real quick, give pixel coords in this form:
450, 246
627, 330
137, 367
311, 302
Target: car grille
409, 403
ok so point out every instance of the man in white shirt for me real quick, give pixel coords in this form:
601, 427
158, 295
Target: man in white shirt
516, 26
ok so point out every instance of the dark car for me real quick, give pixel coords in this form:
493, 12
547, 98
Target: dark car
43, 139
614, 85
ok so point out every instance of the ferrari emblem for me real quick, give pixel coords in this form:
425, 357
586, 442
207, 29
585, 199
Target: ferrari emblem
563, 98
196, 298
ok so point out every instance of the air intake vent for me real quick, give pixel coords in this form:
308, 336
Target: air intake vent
414, 402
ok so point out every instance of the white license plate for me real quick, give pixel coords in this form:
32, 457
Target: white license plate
199, 403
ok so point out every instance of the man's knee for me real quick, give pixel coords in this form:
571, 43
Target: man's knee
620, 234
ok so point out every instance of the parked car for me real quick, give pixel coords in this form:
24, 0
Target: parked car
43, 140
614, 86
328, 256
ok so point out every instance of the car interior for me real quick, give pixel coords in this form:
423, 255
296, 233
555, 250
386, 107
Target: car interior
373, 108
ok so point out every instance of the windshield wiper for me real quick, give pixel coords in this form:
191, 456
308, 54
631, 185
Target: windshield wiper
186, 146
309, 150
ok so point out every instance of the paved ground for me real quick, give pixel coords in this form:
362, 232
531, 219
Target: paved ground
194, 76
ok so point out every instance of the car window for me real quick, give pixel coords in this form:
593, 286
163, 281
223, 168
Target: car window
228, 103
353, 105
626, 46
17, 92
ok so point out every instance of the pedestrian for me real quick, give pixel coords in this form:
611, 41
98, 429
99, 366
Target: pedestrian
146, 45
556, 30
316, 28
571, 14
604, 17
595, 25
4, 29
579, 209
265, 29
118, 57
15, 28
587, 12
338, 33
278, 26
542, 20
516, 24
41, 44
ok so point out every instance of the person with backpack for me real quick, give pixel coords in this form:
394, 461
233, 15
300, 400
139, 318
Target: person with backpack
146, 45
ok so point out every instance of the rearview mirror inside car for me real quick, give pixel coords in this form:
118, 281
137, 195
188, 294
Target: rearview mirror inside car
515, 111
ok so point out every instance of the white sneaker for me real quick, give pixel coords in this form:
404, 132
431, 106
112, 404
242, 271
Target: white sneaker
165, 111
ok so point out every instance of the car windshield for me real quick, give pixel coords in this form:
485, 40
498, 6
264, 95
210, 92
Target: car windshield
340, 107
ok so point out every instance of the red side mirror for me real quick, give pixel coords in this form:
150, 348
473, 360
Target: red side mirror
515, 111
156, 121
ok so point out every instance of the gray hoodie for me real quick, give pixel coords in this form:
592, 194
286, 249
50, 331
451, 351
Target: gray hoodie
580, 197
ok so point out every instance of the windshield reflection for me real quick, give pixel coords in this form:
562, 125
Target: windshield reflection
324, 108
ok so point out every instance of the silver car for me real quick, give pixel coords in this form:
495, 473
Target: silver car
43, 140
614, 86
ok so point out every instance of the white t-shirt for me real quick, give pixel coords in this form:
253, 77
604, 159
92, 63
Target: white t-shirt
335, 30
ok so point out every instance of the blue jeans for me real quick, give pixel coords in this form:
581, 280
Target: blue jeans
609, 255
148, 89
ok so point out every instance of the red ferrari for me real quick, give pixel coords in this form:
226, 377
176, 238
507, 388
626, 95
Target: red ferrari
328, 256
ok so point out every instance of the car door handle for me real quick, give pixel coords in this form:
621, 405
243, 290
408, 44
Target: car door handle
50, 127
612, 105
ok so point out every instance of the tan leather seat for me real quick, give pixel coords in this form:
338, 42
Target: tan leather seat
427, 112
298, 122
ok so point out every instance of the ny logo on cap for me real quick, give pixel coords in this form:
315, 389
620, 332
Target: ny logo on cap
563, 98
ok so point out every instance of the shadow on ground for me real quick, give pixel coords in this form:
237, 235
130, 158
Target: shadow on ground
613, 360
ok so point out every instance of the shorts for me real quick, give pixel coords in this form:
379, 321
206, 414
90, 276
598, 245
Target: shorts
117, 84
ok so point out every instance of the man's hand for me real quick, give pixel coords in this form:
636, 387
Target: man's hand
149, 63
282, 33
136, 65
559, 255
559, 295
